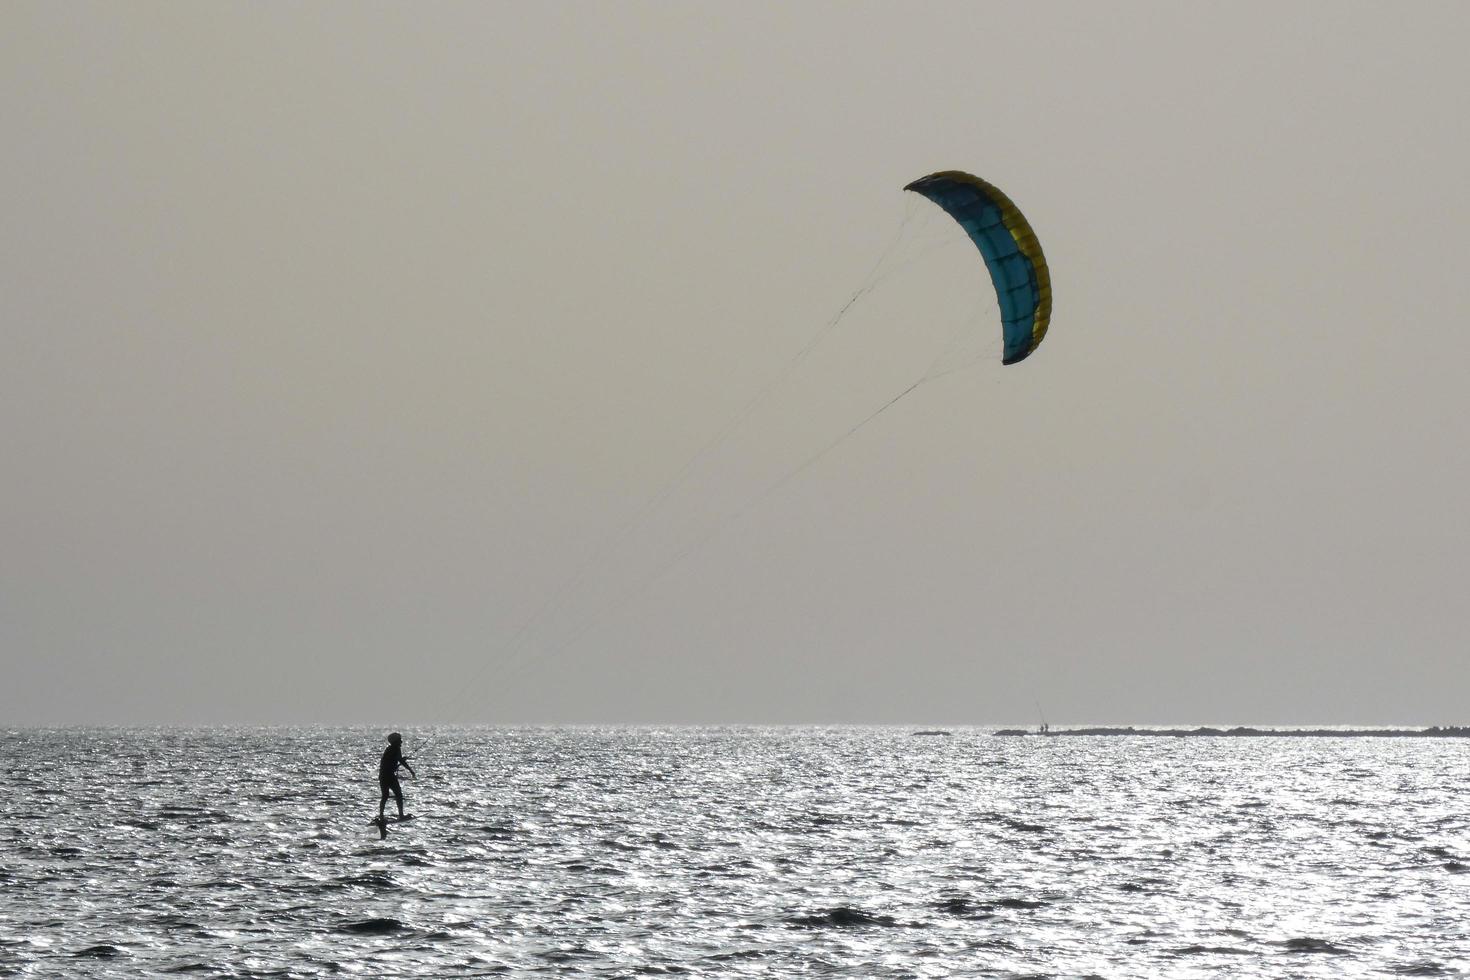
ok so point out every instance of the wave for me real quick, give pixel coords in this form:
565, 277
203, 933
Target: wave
373, 927
842, 917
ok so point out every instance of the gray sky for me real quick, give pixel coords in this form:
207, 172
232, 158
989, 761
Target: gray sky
345, 344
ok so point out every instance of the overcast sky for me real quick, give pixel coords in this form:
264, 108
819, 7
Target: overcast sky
410, 363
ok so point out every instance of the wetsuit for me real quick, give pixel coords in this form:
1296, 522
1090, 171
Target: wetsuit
388, 774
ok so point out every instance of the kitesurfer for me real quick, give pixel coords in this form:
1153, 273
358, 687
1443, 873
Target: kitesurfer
388, 774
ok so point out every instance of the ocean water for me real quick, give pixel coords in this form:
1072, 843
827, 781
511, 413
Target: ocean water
733, 852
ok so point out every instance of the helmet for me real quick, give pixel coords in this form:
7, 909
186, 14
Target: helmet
395, 738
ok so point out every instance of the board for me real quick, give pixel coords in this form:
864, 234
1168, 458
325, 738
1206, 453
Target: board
382, 824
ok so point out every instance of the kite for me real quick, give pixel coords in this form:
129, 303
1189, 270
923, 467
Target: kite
1010, 249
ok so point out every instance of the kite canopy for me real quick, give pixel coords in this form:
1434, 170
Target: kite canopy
1010, 249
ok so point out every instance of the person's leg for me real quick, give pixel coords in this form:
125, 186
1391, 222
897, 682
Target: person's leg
398, 796
383, 785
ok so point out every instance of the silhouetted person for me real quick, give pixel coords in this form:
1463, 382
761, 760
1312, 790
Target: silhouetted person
388, 773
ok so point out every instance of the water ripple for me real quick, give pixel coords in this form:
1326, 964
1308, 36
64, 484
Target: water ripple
849, 852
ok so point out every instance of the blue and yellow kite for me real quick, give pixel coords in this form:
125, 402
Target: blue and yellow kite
1010, 249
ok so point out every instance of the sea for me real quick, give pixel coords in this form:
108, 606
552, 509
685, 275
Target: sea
625, 852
